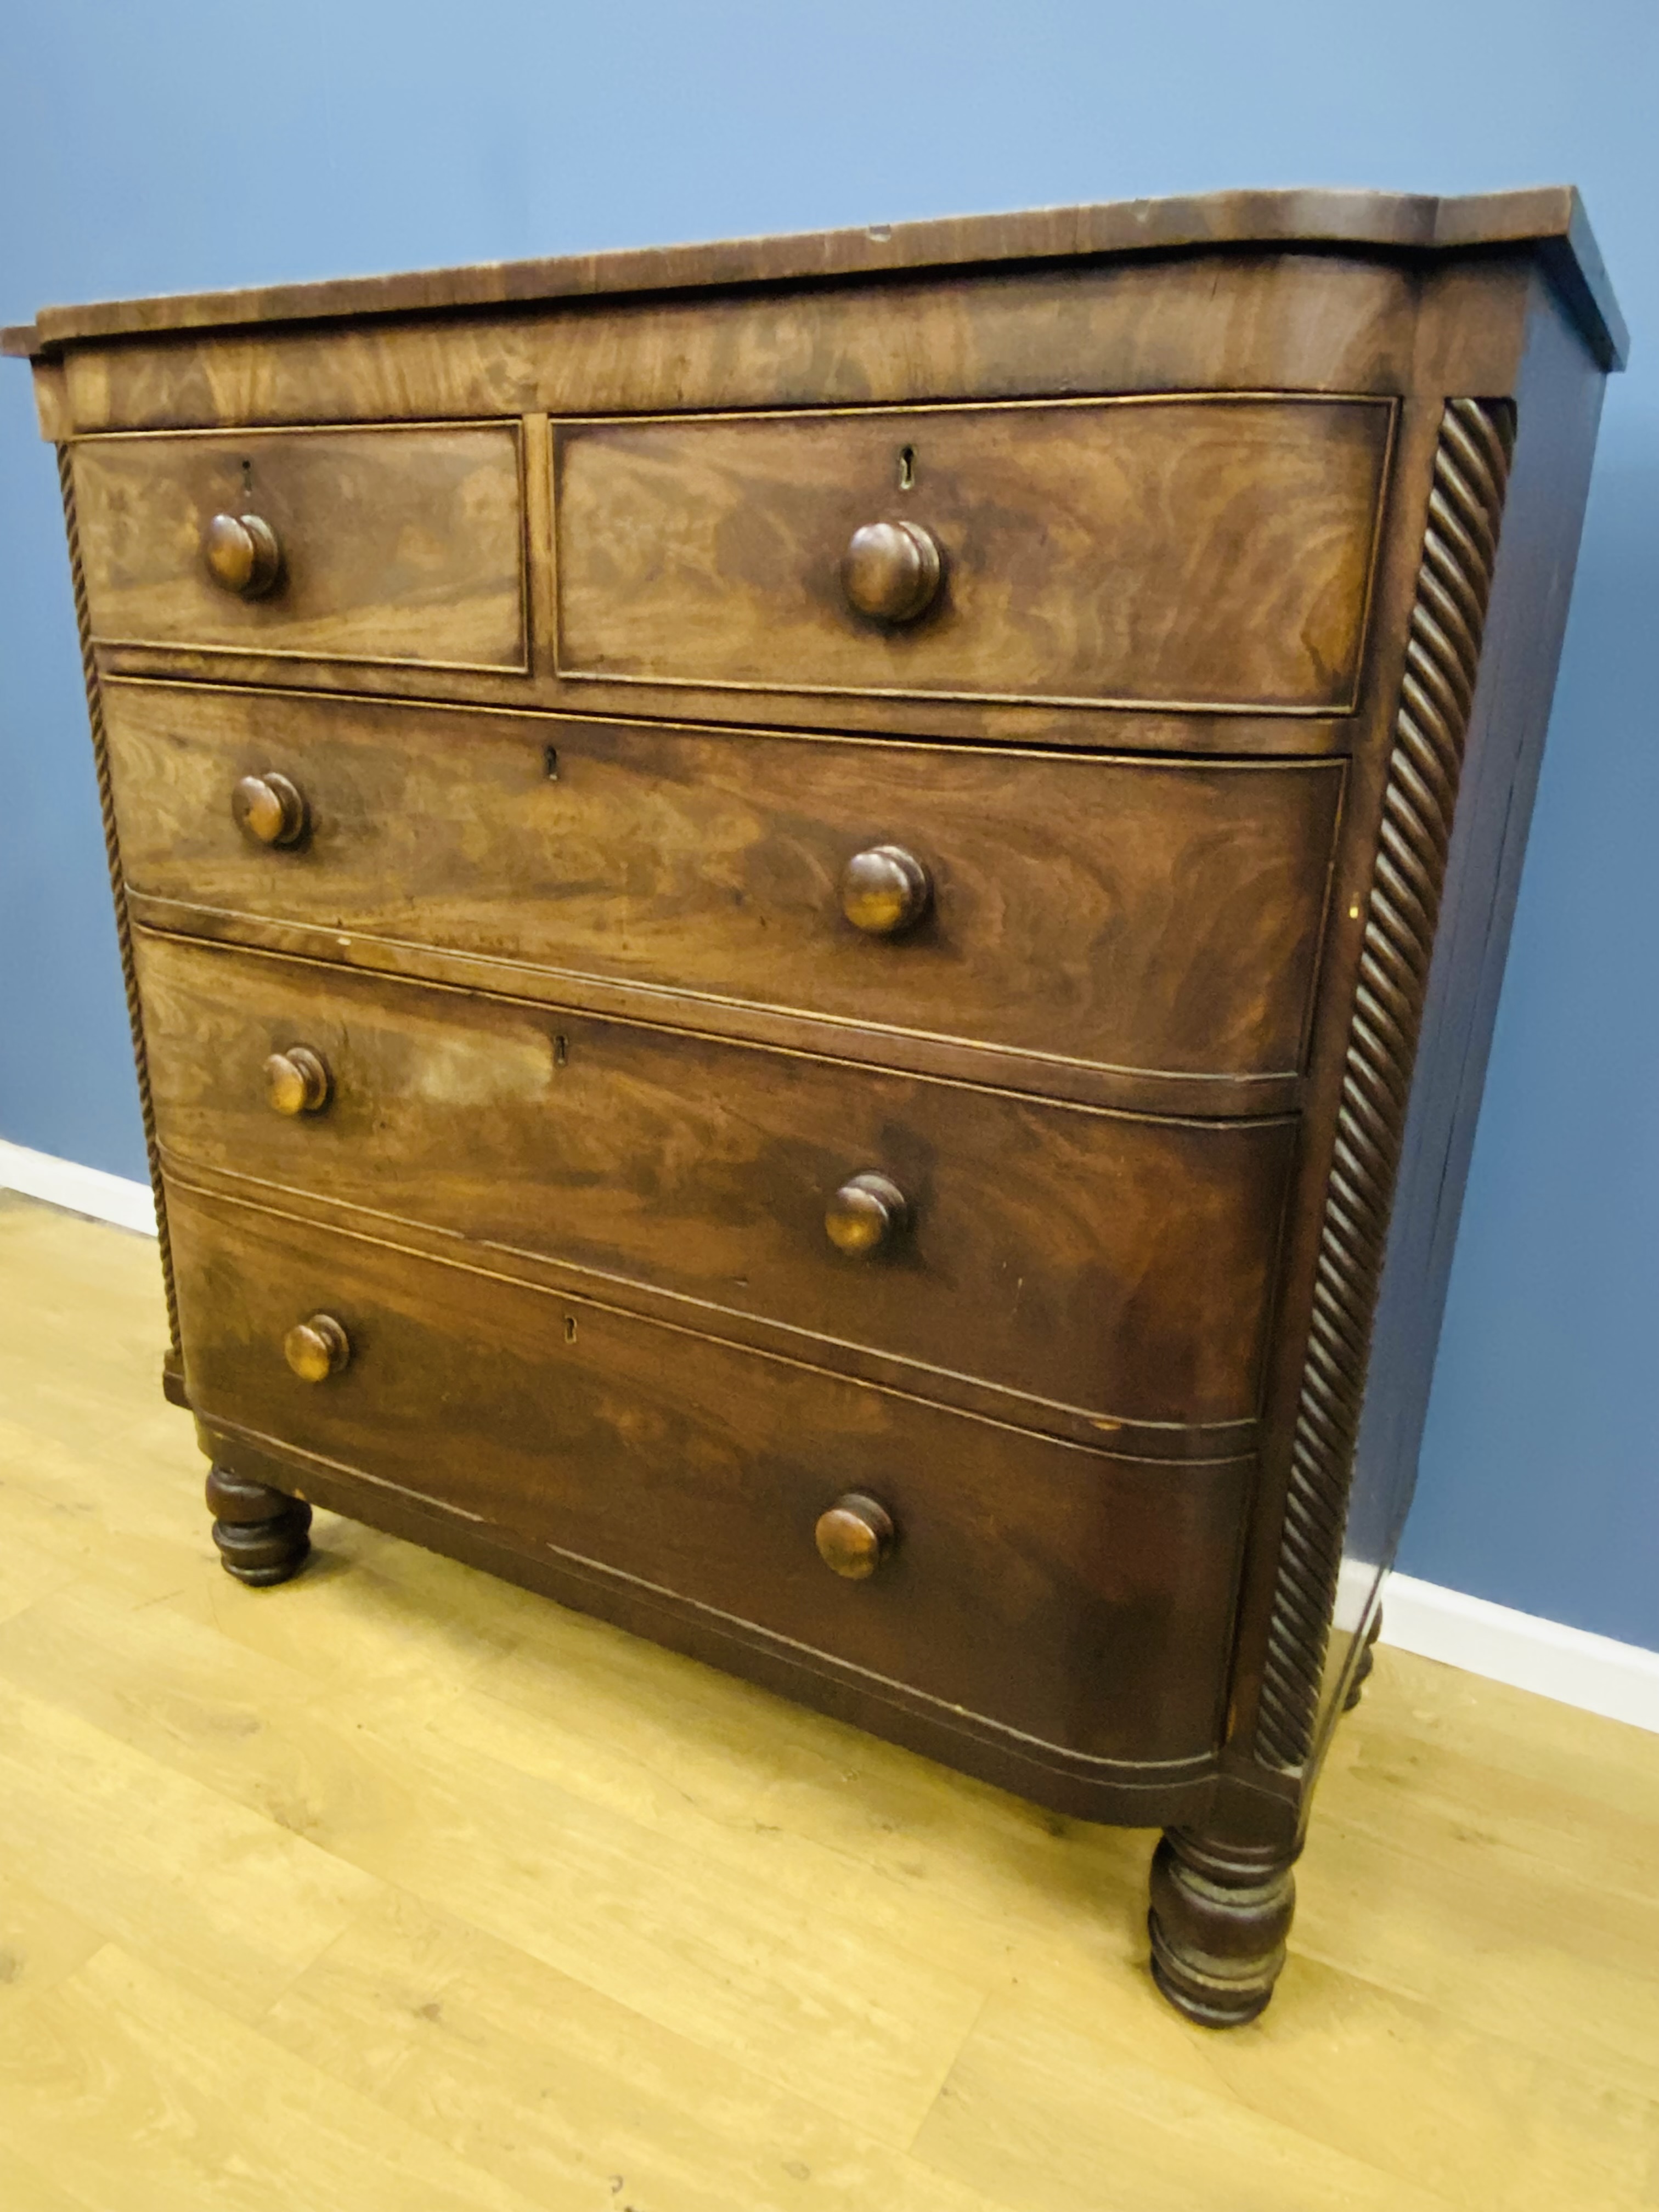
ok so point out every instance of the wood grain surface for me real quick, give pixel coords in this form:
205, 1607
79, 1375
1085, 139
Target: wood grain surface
1109, 1262
1550, 219
659, 1457
1322, 323
1198, 552
397, 544
1297, 324
1141, 916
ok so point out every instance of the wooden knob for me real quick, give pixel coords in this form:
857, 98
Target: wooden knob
269, 809
867, 1211
242, 554
854, 1536
296, 1081
884, 889
892, 570
316, 1348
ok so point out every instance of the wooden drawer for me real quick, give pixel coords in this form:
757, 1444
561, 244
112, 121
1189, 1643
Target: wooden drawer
1080, 1598
1210, 551
396, 545
1148, 916
1106, 1262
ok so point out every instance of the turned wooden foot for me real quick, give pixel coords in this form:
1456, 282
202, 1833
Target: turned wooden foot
262, 1535
1367, 1661
1219, 1916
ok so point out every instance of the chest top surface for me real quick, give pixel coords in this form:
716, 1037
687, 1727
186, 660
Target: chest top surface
1550, 220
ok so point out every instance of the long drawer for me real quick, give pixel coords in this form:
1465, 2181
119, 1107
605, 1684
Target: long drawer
1081, 1598
1212, 550
1106, 1262
1153, 916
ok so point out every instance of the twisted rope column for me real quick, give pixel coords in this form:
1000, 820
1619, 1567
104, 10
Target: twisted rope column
1454, 584
117, 881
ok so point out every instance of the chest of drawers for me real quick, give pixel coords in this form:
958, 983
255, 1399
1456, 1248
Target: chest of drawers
812, 928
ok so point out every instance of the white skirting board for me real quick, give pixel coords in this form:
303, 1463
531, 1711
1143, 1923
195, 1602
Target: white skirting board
1620, 1681
1593, 1673
78, 1189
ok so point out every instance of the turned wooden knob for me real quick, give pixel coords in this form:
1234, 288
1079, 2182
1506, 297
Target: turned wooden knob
316, 1348
269, 809
892, 570
867, 1211
296, 1081
242, 554
884, 889
854, 1536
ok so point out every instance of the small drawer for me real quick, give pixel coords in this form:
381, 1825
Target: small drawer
394, 545
1154, 916
1080, 1598
1112, 1264
1211, 552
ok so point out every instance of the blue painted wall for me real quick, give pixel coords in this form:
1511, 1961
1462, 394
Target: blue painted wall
147, 149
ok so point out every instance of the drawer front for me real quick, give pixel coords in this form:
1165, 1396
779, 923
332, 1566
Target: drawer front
393, 545
1125, 915
1104, 1261
1212, 552
1082, 1599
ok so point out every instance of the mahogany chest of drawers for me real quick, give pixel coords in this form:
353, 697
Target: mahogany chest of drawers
812, 928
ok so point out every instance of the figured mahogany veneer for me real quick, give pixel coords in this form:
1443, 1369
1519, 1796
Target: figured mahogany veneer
621, 1447
396, 545
1092, 551
811, 929
1115, 1267
1156, 923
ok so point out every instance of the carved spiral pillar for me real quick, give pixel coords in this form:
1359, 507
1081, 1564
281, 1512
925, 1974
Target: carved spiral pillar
1454, 584
117, 883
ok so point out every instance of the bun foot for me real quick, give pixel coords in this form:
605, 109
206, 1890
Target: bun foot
1219, 1918
1366, 1662
262, 1535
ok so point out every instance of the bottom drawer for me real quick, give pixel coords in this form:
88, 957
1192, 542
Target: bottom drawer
1081, 1598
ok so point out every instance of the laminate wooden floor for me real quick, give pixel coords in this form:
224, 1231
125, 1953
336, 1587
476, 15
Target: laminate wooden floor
396, 1888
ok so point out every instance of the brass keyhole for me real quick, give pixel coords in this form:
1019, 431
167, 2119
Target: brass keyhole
907, 468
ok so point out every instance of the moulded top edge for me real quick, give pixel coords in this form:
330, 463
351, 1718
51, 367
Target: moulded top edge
1550, 218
